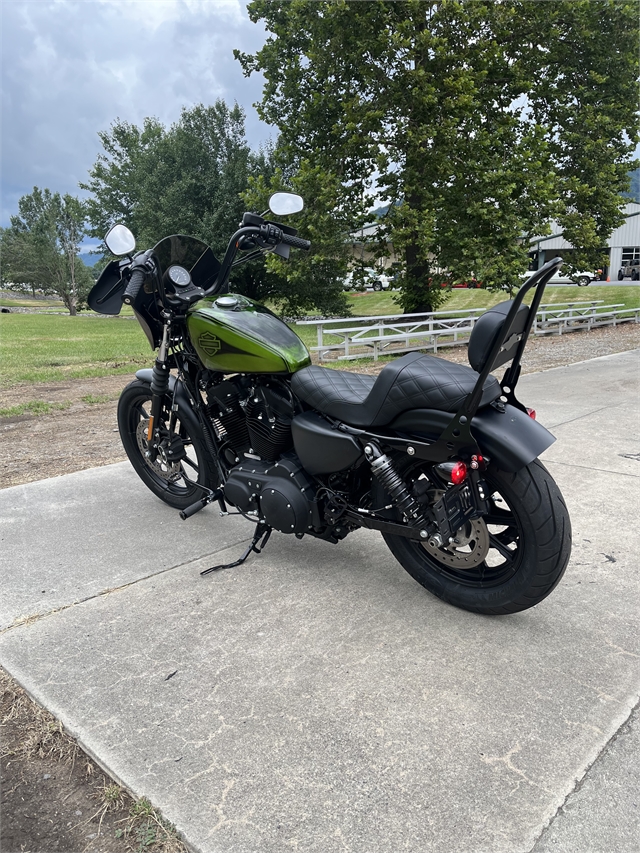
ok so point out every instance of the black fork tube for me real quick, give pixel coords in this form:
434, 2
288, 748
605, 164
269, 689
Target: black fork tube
159, 389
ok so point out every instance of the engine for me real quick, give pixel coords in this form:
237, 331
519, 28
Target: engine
279, 492
252, 417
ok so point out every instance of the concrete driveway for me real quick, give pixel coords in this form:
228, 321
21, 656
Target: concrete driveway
317, 698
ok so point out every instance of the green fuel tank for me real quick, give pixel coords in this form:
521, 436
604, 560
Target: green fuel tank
233, 334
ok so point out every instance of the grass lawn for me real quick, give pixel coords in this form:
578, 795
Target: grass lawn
29, 302
371, 304
55, 347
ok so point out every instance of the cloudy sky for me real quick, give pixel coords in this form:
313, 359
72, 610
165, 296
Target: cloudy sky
70, 68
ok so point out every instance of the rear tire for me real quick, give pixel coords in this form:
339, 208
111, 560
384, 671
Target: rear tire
170, 482
529, 547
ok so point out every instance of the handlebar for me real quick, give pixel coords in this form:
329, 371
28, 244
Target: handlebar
296, 242
133, 288
271, 232
268, 235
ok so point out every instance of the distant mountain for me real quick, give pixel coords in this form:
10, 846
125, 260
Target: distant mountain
634, 190
89, 260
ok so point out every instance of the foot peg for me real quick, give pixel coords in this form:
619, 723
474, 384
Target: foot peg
262, 530
217, 495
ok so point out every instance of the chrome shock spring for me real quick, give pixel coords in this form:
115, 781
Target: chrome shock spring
394, 485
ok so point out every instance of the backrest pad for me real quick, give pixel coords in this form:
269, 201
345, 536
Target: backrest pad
488, 328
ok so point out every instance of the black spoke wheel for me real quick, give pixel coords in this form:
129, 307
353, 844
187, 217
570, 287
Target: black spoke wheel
173, 481
510, 560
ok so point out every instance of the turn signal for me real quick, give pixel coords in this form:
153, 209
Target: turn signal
532, 413
458, 473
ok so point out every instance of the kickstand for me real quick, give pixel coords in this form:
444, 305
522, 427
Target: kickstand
262, 530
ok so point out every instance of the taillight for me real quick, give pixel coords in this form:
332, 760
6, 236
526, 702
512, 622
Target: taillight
532, 413
458, 473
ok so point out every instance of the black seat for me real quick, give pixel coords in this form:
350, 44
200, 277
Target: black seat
415, 381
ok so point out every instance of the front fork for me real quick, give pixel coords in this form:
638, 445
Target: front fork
159, 389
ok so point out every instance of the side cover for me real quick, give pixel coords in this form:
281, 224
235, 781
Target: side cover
233, 334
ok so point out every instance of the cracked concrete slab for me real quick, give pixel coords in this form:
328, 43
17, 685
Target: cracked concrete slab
72, 537
318, 699
605, 806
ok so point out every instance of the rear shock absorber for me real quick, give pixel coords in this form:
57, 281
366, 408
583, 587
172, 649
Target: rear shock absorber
394, 485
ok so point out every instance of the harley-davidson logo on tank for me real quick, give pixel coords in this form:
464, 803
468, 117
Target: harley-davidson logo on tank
209, 343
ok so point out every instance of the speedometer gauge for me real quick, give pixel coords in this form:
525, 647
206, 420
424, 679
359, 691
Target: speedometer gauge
179, 276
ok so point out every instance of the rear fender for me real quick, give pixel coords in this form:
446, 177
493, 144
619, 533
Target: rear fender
510, 438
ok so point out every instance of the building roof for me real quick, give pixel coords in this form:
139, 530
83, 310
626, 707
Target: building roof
627, 234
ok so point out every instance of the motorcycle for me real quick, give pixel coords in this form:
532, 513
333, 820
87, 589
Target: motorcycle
439, 457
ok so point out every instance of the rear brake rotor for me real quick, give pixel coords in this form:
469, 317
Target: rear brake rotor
468, 548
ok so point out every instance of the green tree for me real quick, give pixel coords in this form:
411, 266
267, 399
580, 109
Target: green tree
40, 248
187, 178
466, 118
587, 98
311, 279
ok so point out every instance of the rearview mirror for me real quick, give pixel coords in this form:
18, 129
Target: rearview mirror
284, 203
120, 240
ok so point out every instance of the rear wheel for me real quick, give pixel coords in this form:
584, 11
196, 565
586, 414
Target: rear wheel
504, 562
172, 481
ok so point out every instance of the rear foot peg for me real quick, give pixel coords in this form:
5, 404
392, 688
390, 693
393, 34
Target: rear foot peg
262, 530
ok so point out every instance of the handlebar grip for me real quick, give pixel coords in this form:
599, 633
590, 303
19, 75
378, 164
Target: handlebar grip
133, 288
296, 242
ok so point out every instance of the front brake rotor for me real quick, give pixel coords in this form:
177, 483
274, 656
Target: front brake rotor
165, 469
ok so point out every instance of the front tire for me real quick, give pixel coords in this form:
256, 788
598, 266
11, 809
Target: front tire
583, 281
172, 482
528, 548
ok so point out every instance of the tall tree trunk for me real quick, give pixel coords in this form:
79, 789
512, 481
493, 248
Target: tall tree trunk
416, 292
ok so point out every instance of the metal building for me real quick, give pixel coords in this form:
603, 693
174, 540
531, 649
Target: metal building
623, 245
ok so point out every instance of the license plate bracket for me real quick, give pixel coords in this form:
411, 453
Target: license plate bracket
458, 505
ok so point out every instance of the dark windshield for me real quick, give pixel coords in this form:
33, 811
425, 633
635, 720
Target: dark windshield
190, 253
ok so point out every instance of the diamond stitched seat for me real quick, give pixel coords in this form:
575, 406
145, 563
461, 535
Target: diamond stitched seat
411, 382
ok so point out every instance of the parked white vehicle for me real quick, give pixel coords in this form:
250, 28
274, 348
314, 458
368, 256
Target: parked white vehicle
373, 279
564, 276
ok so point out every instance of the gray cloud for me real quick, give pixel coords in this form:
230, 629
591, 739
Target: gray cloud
71, 68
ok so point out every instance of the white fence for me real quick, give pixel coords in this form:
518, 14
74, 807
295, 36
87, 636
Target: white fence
396, 333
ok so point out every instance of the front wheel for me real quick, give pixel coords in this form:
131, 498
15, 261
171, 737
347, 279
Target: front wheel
171, 481
583, 281
504, 562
